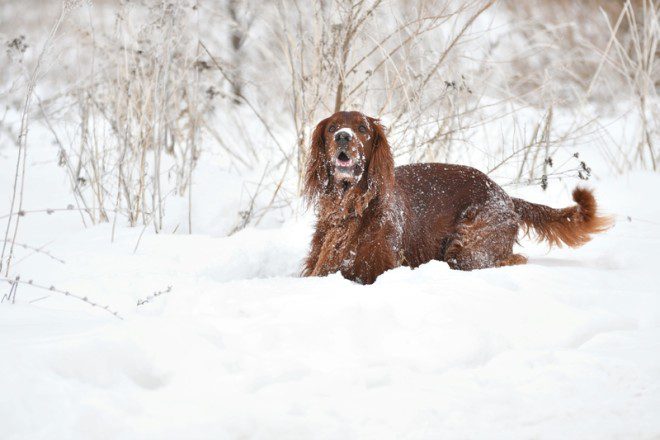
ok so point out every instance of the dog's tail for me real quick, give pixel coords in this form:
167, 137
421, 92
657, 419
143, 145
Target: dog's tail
572, 226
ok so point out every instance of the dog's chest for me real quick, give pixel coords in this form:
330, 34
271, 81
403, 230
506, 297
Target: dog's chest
340, 245
357, 244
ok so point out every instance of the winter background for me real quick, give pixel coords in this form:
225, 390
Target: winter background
153, 233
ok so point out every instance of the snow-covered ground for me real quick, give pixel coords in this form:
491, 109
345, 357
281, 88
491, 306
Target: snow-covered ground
567, 346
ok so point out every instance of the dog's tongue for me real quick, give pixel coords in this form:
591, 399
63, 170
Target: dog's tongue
343, 160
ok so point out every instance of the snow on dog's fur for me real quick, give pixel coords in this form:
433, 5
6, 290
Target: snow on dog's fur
373, 217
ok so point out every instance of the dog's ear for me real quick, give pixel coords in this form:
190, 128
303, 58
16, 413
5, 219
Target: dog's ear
317, 175
380, 169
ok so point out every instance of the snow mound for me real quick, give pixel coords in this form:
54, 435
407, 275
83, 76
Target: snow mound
567, 346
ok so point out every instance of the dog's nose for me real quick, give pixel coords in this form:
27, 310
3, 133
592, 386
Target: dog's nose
342, 136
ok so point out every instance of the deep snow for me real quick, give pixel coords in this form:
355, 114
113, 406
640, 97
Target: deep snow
567, 346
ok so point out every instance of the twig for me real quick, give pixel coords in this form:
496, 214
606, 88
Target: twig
14, 282
11, 296
153, 296
22, 152
40, 250
50, 211
246, 214
454, 41
137, 244
247, 101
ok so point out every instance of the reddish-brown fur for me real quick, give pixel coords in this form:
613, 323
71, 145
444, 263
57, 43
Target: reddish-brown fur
373, 217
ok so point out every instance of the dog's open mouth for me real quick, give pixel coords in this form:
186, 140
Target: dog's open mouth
346, 168
343, 160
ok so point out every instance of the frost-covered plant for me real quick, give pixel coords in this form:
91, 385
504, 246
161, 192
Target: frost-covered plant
140, 114
506, 87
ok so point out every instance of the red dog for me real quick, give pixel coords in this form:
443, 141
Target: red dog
373, 217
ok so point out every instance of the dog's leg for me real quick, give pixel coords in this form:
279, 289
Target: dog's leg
372, 257
512, 260
313, 257
484, 238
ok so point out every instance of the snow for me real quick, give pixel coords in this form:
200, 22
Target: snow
349, 131
567, 346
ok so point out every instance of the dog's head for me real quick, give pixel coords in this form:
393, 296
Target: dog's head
349, 150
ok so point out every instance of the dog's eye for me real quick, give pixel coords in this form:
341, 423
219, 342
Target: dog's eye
332, 128
362, 129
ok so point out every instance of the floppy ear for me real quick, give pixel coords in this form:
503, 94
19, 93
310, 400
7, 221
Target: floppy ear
380, 170
317, 176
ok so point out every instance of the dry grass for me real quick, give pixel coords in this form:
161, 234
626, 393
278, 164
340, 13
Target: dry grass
138, 99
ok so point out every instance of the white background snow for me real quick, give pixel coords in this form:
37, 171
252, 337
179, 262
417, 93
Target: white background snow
567, 346
236, 345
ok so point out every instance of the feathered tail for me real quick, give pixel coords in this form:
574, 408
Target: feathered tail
572, 226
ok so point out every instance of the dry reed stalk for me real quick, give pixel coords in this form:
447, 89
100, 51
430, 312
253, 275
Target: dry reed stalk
19, 175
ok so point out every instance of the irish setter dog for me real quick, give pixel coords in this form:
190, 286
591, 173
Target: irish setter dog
373, 217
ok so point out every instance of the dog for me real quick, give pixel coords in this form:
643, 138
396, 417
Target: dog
373, 217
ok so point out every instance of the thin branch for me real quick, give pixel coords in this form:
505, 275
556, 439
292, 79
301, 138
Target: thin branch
16, 281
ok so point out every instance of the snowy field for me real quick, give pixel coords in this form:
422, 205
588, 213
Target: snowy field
567, 346
196, 116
